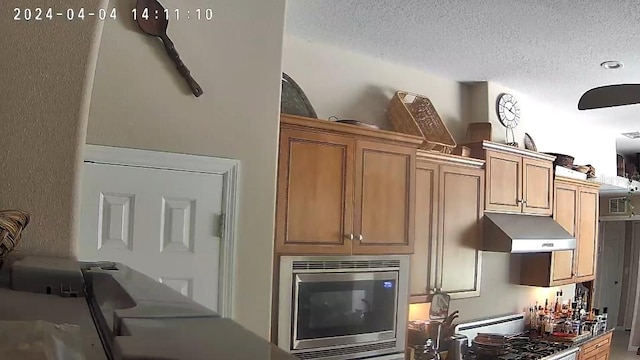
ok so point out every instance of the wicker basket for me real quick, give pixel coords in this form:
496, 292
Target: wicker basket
414, 114
12, 222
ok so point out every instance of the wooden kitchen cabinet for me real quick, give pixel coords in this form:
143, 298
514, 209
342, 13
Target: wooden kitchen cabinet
449, 208
586, 248
596, 349
576, 210
517, 180
537, 186
344, 189
384, 198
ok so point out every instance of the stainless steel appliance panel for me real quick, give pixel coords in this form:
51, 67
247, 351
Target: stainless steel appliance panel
343, 307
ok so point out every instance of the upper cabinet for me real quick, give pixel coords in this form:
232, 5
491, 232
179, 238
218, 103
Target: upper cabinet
517, 180
384, 198
586, 247
449, 207
576, 210
344, 189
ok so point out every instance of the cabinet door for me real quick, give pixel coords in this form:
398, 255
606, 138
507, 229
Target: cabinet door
587, 234
423, 257
460, 210
504, 182
565, 213
537, 186
315, 193
603, 354
384, 198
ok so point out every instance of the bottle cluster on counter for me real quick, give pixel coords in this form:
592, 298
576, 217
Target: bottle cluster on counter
566, 319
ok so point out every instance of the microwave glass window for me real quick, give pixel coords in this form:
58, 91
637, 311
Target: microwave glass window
341, 308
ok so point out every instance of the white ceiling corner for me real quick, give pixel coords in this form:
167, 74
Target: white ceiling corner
547, 49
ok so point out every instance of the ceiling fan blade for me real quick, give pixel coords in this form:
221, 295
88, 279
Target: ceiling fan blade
610, 95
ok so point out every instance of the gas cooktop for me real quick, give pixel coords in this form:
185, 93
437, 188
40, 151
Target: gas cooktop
523, 349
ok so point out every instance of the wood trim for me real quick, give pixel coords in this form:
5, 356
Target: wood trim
432, 156
578, 182
326, 125
227, 168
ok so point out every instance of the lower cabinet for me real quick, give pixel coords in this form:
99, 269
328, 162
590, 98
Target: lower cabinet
449, 207
597, 349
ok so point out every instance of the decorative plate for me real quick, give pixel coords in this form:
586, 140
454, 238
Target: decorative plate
528, 143
353, 122
294, 101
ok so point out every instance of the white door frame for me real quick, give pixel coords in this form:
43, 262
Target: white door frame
227, 168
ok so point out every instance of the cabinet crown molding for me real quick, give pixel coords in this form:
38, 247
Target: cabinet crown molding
308, 124
582, 183
433, 156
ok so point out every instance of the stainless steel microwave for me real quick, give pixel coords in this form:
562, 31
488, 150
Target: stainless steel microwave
343, 307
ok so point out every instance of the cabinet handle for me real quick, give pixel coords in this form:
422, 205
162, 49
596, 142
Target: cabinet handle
350, 236
360, 237
524, 202
519, 201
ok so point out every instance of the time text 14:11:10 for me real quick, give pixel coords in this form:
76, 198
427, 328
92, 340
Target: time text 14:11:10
177, 14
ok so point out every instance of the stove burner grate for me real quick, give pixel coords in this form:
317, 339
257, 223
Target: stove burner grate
526, 349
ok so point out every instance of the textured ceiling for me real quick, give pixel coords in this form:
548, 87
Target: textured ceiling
547, 49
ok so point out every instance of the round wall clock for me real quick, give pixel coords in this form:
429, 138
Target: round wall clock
508, 110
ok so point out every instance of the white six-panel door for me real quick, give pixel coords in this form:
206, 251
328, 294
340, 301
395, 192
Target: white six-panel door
164, 223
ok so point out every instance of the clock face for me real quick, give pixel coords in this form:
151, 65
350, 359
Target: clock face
508, 110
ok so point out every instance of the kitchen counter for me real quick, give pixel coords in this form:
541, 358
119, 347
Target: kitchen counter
118, 313
524, 347
566, 354
590, 338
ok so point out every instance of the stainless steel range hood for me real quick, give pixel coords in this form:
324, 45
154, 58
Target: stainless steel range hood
515, 233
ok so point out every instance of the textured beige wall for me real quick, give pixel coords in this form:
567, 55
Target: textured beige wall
498, 292
353, 86
140, 101
475, 105
43, 112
